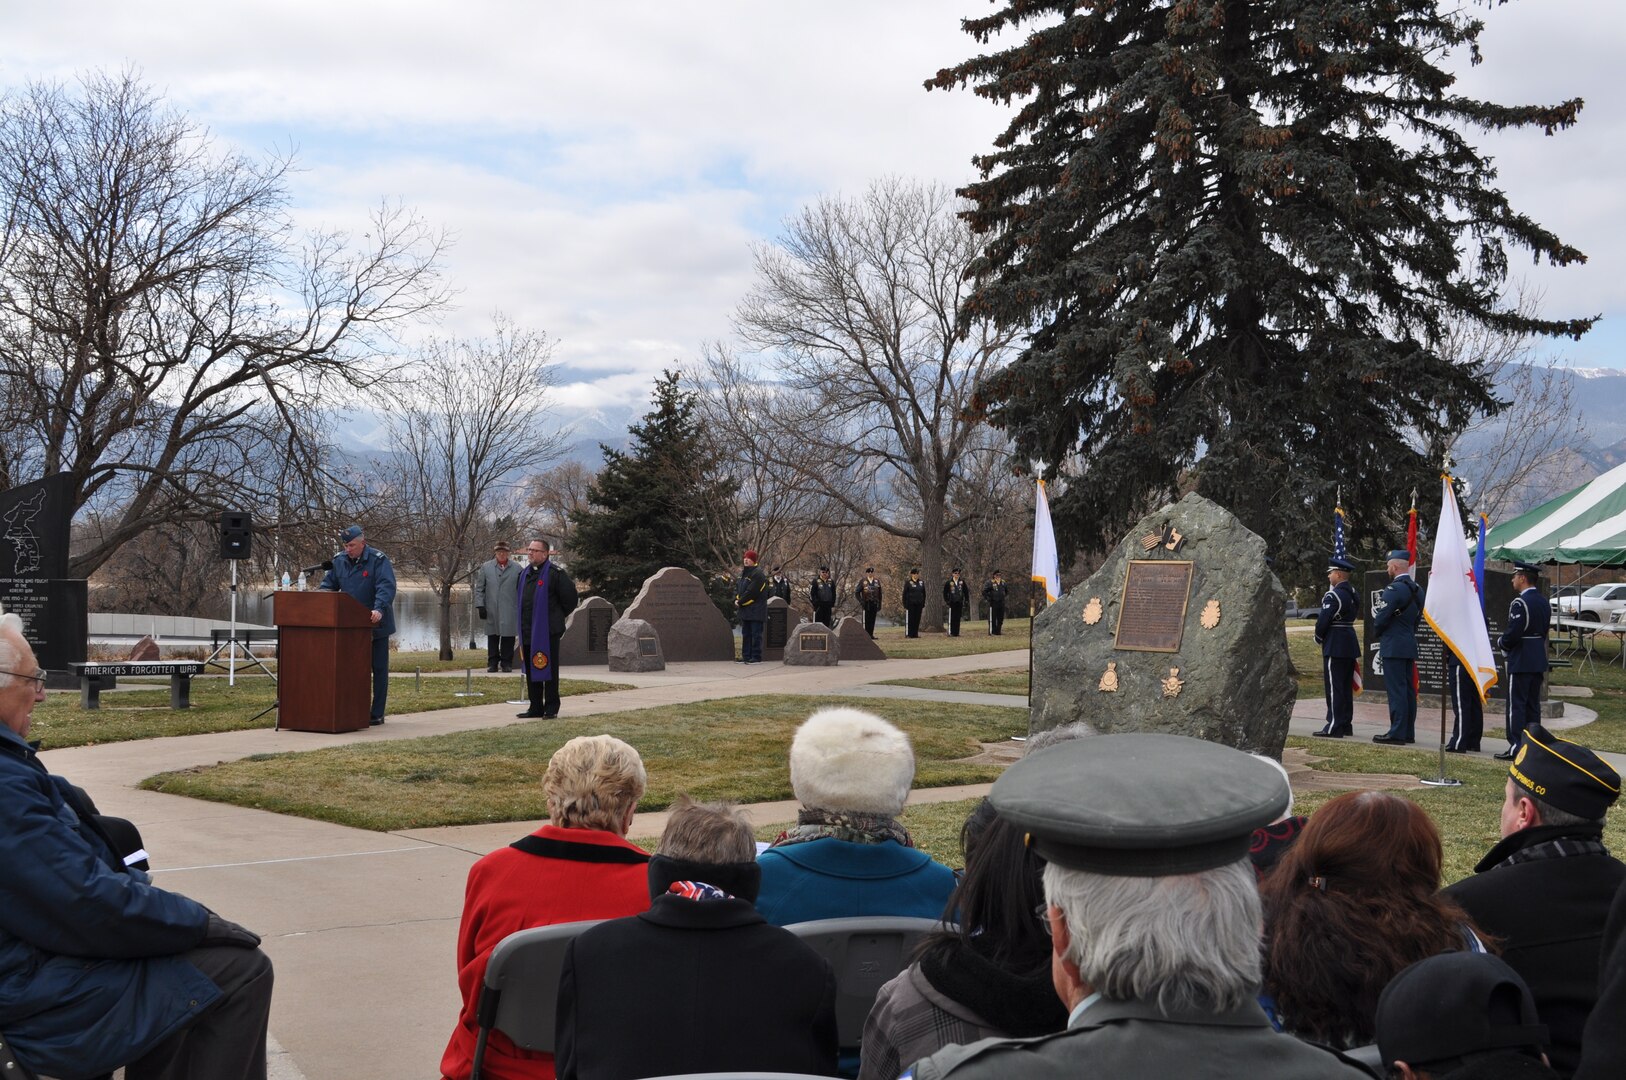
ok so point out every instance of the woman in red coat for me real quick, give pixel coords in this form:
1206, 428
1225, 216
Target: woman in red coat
577, 866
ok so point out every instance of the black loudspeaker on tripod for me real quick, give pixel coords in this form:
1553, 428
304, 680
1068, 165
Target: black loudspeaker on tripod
236, 534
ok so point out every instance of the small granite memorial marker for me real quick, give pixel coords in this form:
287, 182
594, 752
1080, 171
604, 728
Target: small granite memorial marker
813, 644
586, 640
773, 642
1149, 663
635, 645
690, 625
855, 643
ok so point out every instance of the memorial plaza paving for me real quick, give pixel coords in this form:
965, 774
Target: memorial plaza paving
362, 925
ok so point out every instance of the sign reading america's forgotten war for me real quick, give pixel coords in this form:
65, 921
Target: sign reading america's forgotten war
34, 585
691, 627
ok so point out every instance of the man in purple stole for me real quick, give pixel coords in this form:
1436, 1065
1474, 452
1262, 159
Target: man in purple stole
547, 596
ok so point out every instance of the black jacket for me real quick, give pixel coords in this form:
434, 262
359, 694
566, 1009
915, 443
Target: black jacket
914, 594
690, 987
993, 594
1603, 1055
955, 593
1549, 914
821, 592
562, 600
751, 595
868, 593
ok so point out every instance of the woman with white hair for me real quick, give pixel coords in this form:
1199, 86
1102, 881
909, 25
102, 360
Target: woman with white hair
579, 865
848, 854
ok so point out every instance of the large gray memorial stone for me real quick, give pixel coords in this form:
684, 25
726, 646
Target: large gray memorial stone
773, 634
635, 646
855, 643
54, 608
675, 603
1180, 631
586, 641
813, 644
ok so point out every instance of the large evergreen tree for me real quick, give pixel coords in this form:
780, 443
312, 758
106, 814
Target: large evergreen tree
1234, 232
665, 501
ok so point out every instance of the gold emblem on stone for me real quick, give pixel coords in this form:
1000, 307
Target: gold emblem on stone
1092, 611
1172, 685
1109, 679
1211, 615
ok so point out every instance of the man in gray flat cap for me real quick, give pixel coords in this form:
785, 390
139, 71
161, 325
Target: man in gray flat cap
1153, 914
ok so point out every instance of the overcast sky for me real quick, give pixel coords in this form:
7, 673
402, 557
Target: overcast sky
605, 168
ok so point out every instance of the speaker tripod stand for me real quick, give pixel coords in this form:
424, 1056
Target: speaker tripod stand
232, 645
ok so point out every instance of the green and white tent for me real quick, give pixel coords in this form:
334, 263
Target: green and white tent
1587, 525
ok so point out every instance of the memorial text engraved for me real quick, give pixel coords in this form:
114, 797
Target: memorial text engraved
1152, 612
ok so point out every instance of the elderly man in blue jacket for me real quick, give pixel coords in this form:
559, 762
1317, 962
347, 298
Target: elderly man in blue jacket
98, 968
365, 573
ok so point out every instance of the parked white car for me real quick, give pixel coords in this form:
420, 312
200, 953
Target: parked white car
1597, 604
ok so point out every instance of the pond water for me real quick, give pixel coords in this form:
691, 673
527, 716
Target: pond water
417, 616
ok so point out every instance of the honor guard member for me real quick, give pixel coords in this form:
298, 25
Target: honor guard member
955, 596
914, 602
1524, 643
868, 593
822, 595
1335, 633
1153, 916
365, 574
1394, 619
993, 594
780, 585
1467, 709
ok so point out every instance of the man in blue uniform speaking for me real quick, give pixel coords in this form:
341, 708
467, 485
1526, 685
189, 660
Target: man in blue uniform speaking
1335, 633
1394, 619
1524, 643
365, 573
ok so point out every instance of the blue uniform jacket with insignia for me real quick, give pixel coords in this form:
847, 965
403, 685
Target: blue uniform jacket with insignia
371, 580
1335, 626
1395, 617
1524, 641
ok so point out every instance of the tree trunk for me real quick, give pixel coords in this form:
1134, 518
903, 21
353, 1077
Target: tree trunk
931, 564
445, 591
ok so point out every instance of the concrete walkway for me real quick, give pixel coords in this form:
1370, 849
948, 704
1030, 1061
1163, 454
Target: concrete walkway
362, 925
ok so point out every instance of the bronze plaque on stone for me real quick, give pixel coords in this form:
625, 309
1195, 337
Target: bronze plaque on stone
815, 642
1152, 613
648, 646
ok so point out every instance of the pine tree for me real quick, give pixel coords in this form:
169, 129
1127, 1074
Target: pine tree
665, 501
1235, 232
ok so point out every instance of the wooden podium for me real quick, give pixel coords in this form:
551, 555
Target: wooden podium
324, 661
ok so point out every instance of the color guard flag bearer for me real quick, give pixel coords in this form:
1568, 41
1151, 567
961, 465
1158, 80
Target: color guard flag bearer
1452, 605
1046, 567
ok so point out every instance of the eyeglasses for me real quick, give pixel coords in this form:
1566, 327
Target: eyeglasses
38, 676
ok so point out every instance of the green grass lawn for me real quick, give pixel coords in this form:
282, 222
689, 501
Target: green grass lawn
974, 638
734, 749
404, 662
1013, 680
59, 722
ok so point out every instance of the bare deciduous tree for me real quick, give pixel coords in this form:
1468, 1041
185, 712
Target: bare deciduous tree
166, 335
869, 366
468, 420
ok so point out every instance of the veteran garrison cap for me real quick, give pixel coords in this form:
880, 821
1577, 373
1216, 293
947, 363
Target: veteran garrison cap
1453, 1005
1345, 565
1140, 804
1564, 774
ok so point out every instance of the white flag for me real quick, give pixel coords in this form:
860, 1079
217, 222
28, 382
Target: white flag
1046, 568
1452, 606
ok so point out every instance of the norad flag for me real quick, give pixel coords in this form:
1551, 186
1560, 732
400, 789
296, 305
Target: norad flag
1046, 568
1452, 606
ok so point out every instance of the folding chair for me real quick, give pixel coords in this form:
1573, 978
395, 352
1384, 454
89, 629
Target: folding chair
521, 988
865, 952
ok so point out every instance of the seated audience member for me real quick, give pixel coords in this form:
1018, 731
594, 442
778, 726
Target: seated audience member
577, 866
1153, 914
986, 977
848, 854
699, 982
1350, 904
1603, 1044
1545, 889
98, 968
1460, 1016
1269, 841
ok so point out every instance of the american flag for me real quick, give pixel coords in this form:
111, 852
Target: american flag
1338, 549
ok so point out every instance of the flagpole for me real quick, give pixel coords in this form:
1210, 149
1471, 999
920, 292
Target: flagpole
1440, 779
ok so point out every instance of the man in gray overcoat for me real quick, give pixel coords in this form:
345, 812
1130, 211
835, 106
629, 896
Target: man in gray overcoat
496, 601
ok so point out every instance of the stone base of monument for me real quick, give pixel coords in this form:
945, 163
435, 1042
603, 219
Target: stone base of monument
1180, 631
855, 644
586, 640
635, 646
691, 626
813, 644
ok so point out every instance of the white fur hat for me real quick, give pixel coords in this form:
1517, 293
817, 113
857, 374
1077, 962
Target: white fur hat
847, 759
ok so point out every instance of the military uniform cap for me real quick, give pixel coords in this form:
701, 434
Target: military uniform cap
352, 533
1400, 553
1140, 804
1529, 569
1455, 1004
1564, 774
1345, 565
